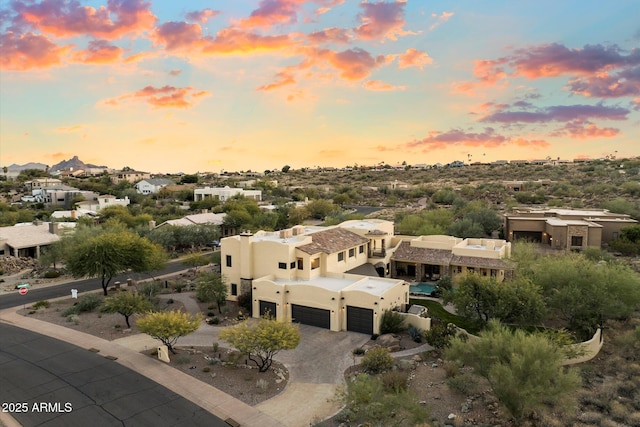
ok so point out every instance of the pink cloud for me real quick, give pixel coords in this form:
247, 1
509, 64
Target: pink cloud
202, 15
27, 51
182, 36
67, 18
272, 12
99, 52
282, 79
377, 85
353, 64
414, 58
381, 20
583, 129
556, 113
161, 97
458, 138
329, 35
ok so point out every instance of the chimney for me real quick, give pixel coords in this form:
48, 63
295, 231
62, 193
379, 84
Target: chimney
53, 227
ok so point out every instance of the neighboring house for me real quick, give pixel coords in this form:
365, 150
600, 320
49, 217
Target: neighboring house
61, 195
41, 183
342, 277
129, 176
28, 239
564, 228
225, 193
521, 185
152, 185
428, 258
206, 218
102, 202
72, 214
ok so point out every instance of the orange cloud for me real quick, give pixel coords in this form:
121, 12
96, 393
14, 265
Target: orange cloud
377, 85
444, 17
282, 79
584, 129
414, 58
161, 97
437, 140
381, 21
68, 18
352, 64
69, 128
27, 51
329, 35
99, 52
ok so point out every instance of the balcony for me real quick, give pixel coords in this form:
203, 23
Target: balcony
378, 253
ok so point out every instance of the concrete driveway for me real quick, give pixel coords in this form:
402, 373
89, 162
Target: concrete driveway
316, 369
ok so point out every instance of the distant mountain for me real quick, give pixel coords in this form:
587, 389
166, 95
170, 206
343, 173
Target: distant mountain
72, 164
31, 165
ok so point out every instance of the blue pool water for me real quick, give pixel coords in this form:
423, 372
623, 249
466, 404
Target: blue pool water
422, 288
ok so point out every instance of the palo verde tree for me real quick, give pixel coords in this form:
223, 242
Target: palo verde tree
107, 253
524, 370
126, 304
168, 326
261, 341
212, 288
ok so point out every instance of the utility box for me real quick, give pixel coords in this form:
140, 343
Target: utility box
163, 353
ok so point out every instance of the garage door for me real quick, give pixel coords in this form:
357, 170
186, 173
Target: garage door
311, 316
531, 236
360, 319
268, 307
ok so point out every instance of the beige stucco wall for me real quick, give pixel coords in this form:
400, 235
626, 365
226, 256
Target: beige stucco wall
589, 349
419, 322
435, 242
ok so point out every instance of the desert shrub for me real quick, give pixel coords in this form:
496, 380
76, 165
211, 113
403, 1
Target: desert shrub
170, 301
591, 417
395, 381
440, 335
262, 384
358, 351
88, 303
206, 369
43, 304
451, 368
1, 272
216, 347
150, 289
392, 322
211, 314
464, 384
51, 274
73, 318
183, 359
377, 361
415, 334
214, 320
178, 286
70, 311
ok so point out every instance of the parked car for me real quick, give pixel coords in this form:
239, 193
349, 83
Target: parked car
214, 244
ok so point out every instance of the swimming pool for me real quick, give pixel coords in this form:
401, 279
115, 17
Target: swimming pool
422, 288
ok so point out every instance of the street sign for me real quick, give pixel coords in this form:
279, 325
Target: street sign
23, 291
24, 285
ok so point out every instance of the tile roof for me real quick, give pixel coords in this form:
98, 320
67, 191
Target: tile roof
332, 241
408, 253
469, 261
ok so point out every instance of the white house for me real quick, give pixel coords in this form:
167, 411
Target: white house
152, 185
103, 202
225, 193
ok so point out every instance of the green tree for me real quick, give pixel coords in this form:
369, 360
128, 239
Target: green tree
110, 253
366, 402
466, 228
168, 326
53, 253
392, 322
261, 341
212, 288
320, 208
482, 298
377, 360
126, 304
524, 370
585, 293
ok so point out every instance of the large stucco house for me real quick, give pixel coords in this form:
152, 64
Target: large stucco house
342, 277
152, 185
225, 193
29, 239
573, 229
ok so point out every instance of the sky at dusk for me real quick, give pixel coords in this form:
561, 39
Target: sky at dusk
188, 86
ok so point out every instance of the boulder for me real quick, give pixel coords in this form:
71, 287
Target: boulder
388, 340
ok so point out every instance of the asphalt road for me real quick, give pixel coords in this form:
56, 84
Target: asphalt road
14, 299
50, 383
